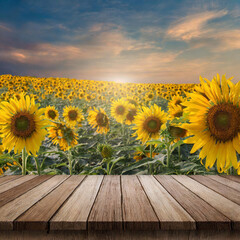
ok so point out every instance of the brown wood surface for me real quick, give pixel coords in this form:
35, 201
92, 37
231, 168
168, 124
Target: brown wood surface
206, 216
106, 213
16, 182
137, 210
120, 235
230, 209
225, 181
121, 204
171, 214
38, 216
5, 179
74, 213
15, 208
17, 191
233, 178
222, 189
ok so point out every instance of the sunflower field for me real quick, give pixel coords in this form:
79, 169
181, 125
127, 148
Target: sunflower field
70, 126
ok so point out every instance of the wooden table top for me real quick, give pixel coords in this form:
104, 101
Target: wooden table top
125, 202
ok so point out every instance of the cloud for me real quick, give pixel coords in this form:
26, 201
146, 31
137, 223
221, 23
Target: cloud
5, 28
193, 26
101, 41
227, 40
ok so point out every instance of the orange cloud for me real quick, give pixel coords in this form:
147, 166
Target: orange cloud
192, 26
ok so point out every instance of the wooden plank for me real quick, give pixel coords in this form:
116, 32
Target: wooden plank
233, 178
16, 182
225, 181
106, 213
170, 213
74, 213
8, 178
37, 217
219, 202
222, 189
18, 206
138, 213
17, 191
206, 216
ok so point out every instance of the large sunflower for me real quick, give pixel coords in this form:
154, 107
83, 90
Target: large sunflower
119, 110
22, 125
214, 119
149, 122
51, 113
72, 115
63, 135
99, 119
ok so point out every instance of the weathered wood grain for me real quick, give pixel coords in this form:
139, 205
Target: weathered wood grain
16, 182
219, 202
12, 210
17, 191
222, 189
38, 216
74, 213
8, 178
170, 213
225, 181
206, 216
233, 178
106, 213
138, 213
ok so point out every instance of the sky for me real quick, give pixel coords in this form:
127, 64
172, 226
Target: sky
151, 41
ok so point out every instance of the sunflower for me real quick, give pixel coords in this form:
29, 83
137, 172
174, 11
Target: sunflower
51, 113
176, 101
72, 115
119, 110
132, 100
214, 115
175, 111
132, 112
149, 122
63, 135
22, 125
178, 131
149, 96
99, 119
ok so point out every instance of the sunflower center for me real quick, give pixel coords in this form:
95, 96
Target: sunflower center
177, 131
223, 121
131, 114
101, 119
120, 110
178, 114
52, 114
72, 114
23, 124
178, 102
152, 124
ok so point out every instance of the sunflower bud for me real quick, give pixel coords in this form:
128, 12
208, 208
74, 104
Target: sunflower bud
105, 150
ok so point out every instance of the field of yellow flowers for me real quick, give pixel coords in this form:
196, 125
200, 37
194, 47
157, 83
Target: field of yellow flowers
70, 126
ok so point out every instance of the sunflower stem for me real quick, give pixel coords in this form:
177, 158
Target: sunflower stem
69, 161
37, 166
151, 154
108, 171
179, 152
24, 161
168, 154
